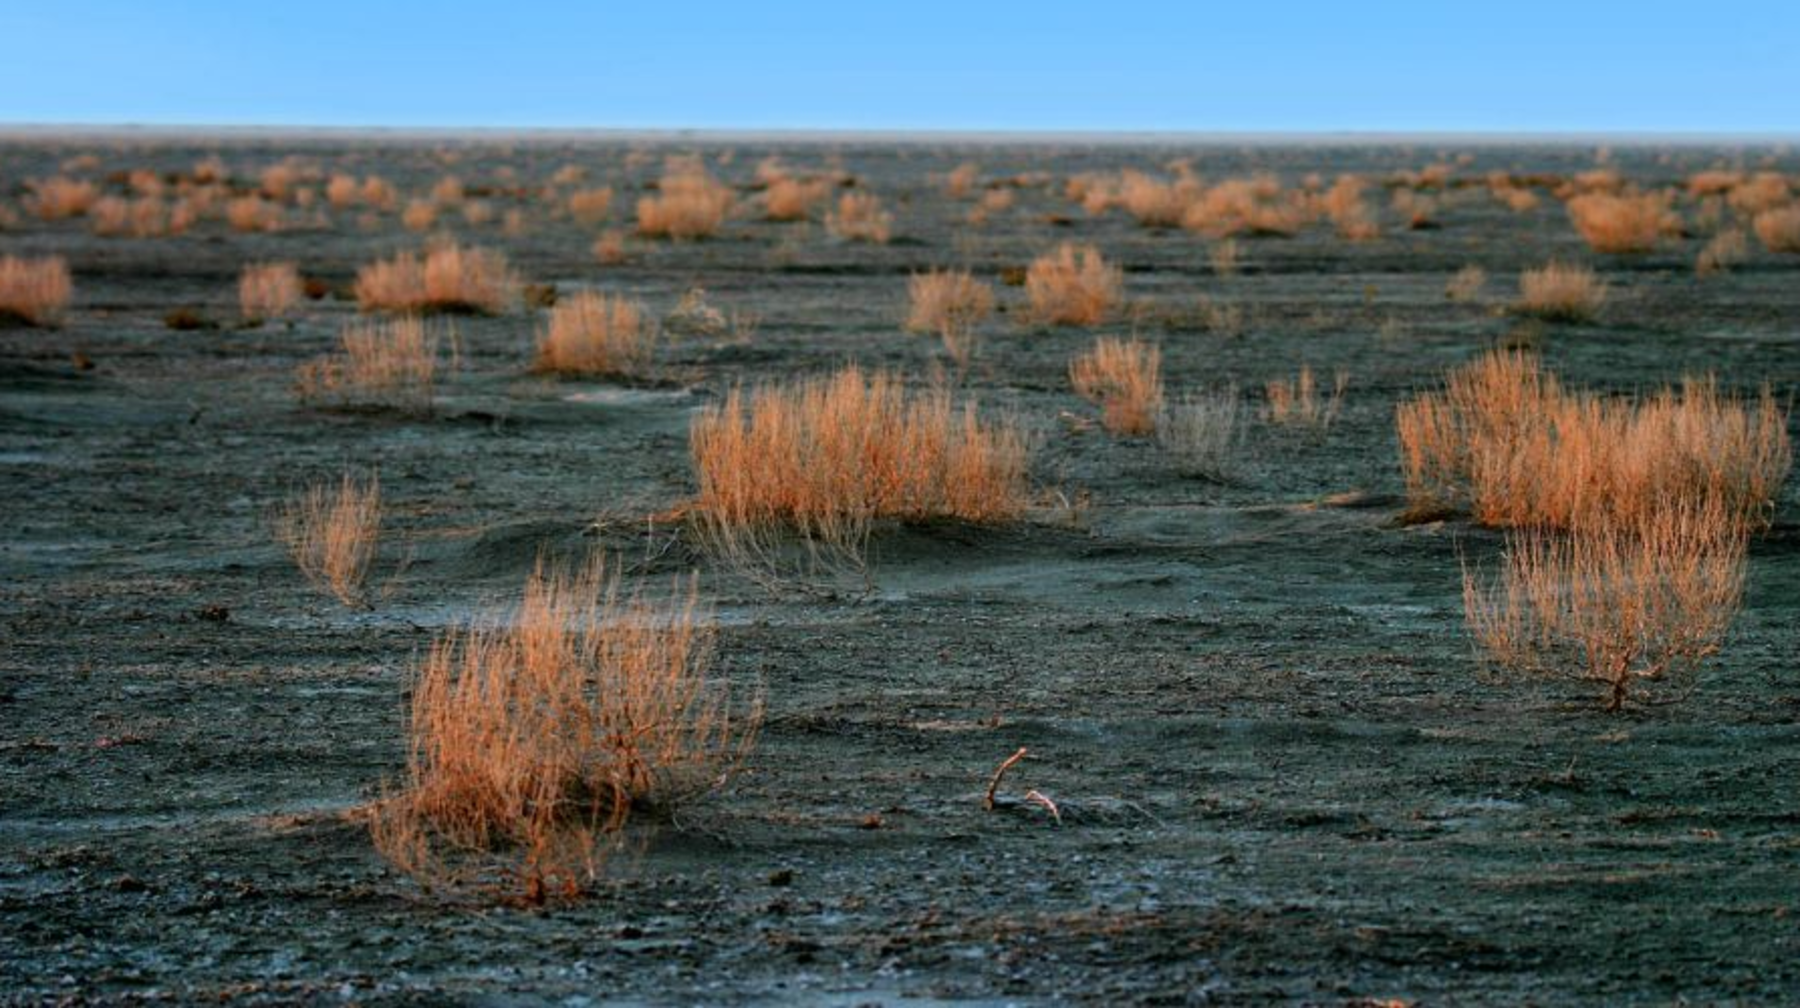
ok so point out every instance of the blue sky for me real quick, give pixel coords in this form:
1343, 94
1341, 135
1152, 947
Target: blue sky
1259, 65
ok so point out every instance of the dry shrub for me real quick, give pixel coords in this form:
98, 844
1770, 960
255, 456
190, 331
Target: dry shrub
268, 290
1073, 286
209, 169
992, 201
448, 191
1419, 212
532, 743
960, 181
379, 194
1154, 202
1202, 432
420, 215
944, 300
1297, 402
793, 199
592, 334
1634, 605
590, 206
450, 278
1625, 222
1725, 250
609, 248
332, 534
33, 291
1779, 230
148, 217
342, 191
1761, 192
1561, 292
390, 365
824, 458
689, 203
1507, 440
278, 181
253, 213
1252, 206
1713, 182
1125, 379
1516, 197
860, 217
478, 213
1348, 211
1466, 285
59, 197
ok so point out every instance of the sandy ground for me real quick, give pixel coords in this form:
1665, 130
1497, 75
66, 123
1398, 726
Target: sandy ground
1282, 778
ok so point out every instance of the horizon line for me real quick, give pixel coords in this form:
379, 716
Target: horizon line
953, 135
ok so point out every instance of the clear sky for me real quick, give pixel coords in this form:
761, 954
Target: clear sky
1252, 65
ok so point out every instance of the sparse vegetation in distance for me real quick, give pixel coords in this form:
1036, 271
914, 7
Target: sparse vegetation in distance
1564, 292
1298, 402
450, 278
860, 217
1623, 222
689, 203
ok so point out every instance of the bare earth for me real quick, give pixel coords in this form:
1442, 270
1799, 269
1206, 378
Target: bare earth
1281, 777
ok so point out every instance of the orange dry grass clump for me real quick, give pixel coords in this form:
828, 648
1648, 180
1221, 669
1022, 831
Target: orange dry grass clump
589, 206
147, 217
59, 197
1253, 206
792, 199
1626, 222
450, 278
332, 535
33, 291
1125, 379
593, 334
689, 203
253, 213
1779, 230
859, 217
268, 290
1633, 604
387, 364
532, 744
1349, 212
1505, 439
960, 181
1072, 286
1154, 202
945, 300
826, 457
1561, 291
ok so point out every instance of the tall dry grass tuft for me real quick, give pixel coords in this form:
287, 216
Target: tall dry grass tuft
590, 206
1505, 439
390, 364
33, 291
825, 458
689, 203
1348, 211
1125, 379
332, 534
1466, 284
1202, 432
1633, 604
450, 278
531, 744
1760, 193
940, 301
419, 215
961, 180
1561, 292
59, 197
1073, 286
1779, 230
593, 334
1154, 202
268, 290
793, 199
1725, 250
1298, 402
1623, 222
254, 214
1251, 206
859, 217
